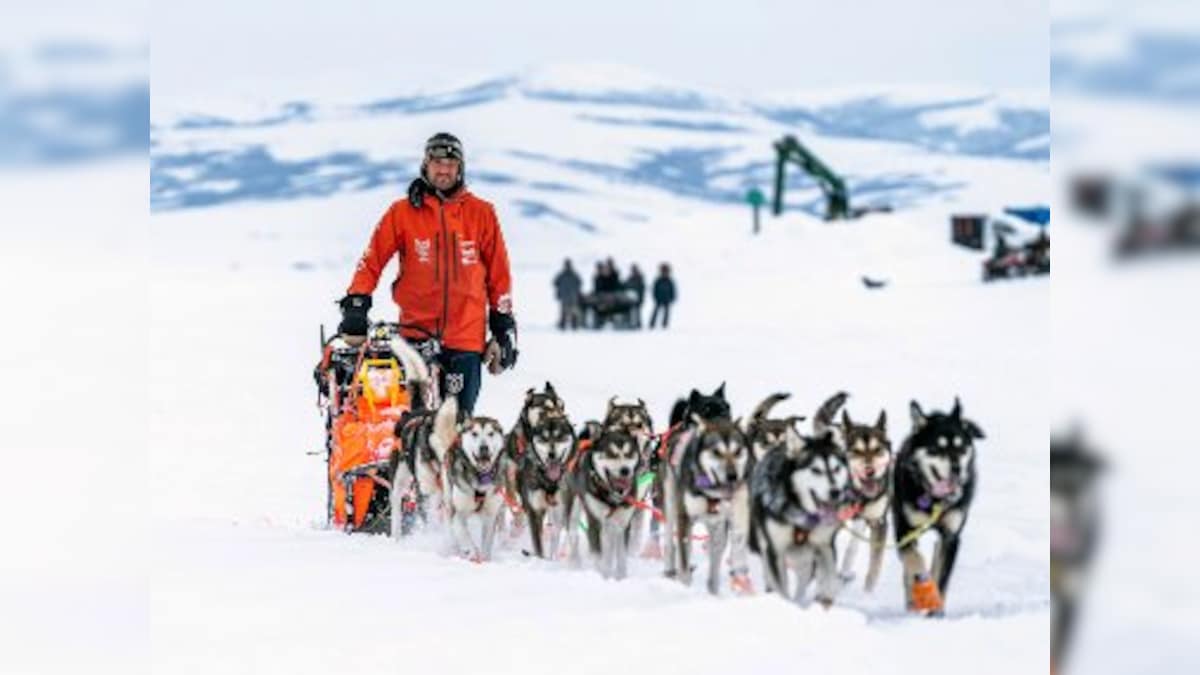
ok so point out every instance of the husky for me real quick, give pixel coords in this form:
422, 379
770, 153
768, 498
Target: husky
538, 478
708, 407
869, 455
796, 495
473, 466
706, 481
536, 405
682, 418
601, 488
765, 433
933, 484
414, 472
634, 419
1074, 533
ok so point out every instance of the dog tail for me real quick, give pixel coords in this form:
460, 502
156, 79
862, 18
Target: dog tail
760, 413
445, 428
825, 414
416, 372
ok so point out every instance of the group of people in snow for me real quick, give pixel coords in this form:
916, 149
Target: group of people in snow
611, 300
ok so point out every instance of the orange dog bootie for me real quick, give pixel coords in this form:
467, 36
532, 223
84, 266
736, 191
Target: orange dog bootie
925, 595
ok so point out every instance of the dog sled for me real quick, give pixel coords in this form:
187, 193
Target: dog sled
365, 387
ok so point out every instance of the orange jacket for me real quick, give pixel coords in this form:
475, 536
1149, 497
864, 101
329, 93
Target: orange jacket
453, 266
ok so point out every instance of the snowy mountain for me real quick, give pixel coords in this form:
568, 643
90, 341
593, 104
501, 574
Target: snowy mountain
682, 141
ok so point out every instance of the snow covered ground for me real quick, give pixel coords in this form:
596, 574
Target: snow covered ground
245, 579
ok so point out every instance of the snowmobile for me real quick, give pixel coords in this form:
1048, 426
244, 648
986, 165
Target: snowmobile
364, 389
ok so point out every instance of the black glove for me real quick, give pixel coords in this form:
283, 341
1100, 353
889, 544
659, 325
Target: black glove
354, 315
504, 332
416, 192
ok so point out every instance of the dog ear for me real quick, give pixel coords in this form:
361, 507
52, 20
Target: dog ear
956, 411
611, 403
550, 389
846, 419
641, 403
972, 429
881, 423
918, 416
720, 392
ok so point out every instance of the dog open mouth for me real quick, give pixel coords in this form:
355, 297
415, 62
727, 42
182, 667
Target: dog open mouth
487, 474
869, 486
554, 471
826, 509
944, 488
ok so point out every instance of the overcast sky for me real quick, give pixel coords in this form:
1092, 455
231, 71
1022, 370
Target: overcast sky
351, 48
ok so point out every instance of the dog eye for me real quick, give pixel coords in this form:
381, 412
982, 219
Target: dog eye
958, 441
941, 441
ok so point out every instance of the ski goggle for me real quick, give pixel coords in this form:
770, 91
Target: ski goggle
444, 150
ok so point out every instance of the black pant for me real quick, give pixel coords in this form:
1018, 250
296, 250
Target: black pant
570, 315
666, 314
461, 376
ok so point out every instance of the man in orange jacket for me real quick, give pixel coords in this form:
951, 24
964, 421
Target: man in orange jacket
454, 279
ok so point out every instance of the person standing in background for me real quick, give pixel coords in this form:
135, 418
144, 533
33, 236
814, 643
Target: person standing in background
664, 295
568, 288
637, 284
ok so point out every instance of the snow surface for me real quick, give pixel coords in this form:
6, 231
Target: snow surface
245, 578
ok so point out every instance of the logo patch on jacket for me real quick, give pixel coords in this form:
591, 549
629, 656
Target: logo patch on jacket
469, 255
424, 250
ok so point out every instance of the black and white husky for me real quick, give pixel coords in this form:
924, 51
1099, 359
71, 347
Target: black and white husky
705, 481
474, 482
540, 472
602, 483
795, 499
712, 406
933, 484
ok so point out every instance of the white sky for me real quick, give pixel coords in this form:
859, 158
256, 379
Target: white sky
280, 49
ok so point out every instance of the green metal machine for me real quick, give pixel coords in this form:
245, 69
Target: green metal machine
788, 149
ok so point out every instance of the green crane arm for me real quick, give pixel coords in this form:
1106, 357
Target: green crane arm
788, 149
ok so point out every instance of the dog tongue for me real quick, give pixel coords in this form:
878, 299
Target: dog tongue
554, 472
943, 488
